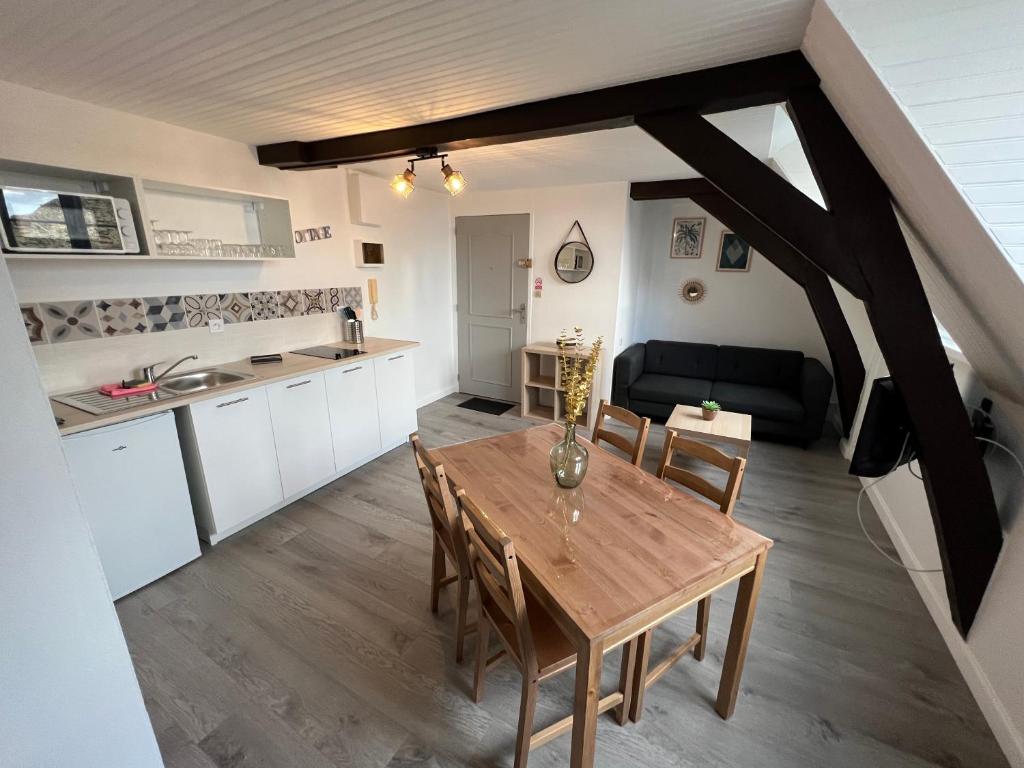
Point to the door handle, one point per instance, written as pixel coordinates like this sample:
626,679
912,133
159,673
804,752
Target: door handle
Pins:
396,357
232,402
350,370
298,384
521,310
119,448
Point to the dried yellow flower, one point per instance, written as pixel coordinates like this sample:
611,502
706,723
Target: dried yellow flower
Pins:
577,371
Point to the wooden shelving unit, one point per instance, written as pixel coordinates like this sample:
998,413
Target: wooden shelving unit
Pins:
542,395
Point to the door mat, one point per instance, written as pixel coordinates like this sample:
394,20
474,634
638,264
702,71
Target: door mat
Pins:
492,407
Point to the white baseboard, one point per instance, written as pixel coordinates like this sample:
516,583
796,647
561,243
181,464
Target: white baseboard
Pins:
1009,736
437,395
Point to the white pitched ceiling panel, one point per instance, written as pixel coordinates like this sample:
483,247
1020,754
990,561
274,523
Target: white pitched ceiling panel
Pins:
271,70
956,67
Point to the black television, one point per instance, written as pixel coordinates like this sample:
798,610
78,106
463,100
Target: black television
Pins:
886,438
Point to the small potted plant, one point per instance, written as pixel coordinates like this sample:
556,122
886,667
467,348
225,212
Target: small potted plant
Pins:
709,409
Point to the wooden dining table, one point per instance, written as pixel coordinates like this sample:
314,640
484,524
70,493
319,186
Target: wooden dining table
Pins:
612,558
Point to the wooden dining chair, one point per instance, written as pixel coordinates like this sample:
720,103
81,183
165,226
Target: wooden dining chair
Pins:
634,448
449,544
725,498
529,635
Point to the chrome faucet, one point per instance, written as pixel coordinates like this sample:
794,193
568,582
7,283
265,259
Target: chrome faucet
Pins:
149,372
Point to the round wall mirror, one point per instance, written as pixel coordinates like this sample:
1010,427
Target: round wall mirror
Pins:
692,291
574,262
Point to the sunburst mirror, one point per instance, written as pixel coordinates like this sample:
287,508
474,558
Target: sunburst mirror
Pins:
693,291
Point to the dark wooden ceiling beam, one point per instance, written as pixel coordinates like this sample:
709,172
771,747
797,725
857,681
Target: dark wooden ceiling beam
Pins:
761,81
956,481
768,197
847,365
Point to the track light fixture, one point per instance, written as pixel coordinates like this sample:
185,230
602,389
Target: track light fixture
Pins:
405,182
454,181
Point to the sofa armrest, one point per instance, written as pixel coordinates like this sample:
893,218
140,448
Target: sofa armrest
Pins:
815,393
629,364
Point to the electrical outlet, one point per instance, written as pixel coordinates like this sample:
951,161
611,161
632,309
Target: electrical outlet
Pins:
216,325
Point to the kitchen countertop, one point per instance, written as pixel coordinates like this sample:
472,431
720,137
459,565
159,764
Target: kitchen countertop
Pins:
291,365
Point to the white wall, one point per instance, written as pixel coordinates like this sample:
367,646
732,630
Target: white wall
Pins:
759,308
984,327
69,693
634,275
601,210
416,233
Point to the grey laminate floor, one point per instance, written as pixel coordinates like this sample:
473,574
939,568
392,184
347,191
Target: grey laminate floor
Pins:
307,641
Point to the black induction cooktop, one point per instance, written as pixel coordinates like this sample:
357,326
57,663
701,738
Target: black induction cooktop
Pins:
330,353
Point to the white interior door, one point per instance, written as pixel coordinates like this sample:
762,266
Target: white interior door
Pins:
491,253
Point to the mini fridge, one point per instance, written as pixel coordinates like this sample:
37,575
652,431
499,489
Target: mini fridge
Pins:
131,483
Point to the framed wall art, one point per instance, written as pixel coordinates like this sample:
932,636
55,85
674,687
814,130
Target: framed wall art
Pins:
733,253
687,237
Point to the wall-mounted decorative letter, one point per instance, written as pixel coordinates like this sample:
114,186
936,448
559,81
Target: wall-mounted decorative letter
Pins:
313,233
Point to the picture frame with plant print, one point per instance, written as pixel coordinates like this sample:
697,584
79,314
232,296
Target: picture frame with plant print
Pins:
687,237
734,253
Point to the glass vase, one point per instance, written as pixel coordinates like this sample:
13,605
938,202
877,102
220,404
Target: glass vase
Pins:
568,459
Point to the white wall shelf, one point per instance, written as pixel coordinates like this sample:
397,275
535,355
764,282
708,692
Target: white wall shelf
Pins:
229,215
132,257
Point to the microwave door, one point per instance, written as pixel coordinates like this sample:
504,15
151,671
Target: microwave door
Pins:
41,221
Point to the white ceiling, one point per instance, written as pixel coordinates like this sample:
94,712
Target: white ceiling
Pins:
957,70
621,154
261,71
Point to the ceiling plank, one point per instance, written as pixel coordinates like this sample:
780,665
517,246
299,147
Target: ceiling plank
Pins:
756,82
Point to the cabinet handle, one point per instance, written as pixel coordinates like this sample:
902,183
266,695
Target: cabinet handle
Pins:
396,357
298,384
232,402
119,448
349,370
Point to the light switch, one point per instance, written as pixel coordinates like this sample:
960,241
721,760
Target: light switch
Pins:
216,325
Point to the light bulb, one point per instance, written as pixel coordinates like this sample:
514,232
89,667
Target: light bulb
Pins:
454,181
404,183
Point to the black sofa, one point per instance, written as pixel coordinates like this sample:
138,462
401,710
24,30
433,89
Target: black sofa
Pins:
786,393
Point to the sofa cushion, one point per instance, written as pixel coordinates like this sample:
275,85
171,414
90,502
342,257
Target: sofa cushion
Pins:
659,388
776,368
679,358
766,402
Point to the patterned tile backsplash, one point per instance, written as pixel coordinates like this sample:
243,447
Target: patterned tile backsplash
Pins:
122,317
313,301
201,308
56,322
264,305
165,313
70,321
33,324
235,307
290,303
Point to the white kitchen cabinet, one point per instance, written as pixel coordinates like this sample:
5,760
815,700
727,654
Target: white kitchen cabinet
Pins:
352,399
302,432
131,484
228,443
396,397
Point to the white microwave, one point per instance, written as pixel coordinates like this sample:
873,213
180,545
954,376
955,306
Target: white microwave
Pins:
45,221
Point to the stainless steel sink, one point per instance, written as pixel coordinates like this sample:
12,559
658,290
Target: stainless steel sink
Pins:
196,381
